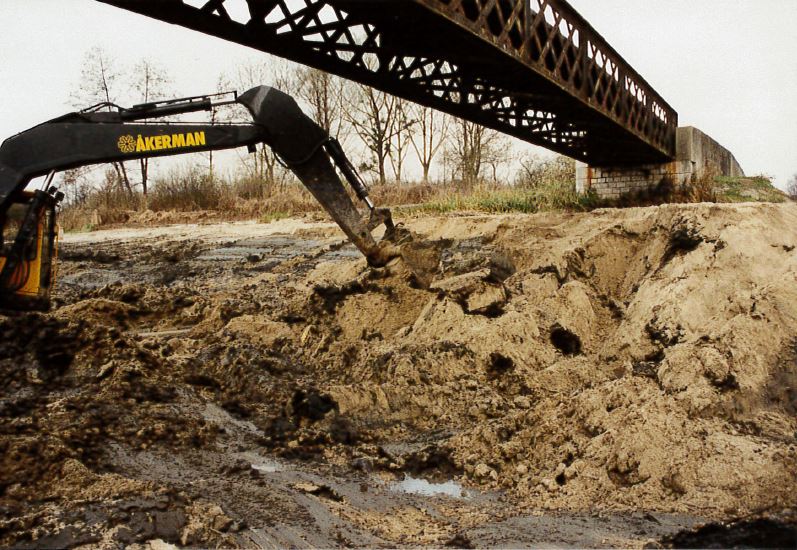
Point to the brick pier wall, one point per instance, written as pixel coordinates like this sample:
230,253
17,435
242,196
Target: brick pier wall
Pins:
696,155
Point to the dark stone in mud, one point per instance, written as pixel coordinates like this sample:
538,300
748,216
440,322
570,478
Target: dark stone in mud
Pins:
499,364
750,533
202,380
237,467
649,366
565,341
341,430
236,408
69,537
49,343
328,297
312,405
363,465
168,274
460,540
683,240
135,520
432,459
150,524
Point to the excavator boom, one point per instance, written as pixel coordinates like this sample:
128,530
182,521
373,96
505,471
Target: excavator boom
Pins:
96,136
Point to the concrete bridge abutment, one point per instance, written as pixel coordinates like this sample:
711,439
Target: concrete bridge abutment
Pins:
697,156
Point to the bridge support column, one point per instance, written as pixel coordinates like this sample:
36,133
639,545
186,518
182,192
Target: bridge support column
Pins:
697,155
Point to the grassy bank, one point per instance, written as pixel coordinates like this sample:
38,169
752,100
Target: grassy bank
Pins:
755,189
196,198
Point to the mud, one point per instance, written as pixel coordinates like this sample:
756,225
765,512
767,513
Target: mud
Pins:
607,379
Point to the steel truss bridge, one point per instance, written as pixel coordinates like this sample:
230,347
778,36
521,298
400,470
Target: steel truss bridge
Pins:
533,69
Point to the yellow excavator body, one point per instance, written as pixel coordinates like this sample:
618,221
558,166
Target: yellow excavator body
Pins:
30,285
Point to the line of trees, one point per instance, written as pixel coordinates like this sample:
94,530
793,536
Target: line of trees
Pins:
390,139
102,80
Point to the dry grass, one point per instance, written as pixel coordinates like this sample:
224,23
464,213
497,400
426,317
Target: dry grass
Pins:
103,206
494,199
702,189
237,200
180,194
191,193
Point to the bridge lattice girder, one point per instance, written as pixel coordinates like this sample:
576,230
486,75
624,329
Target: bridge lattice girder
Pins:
534,69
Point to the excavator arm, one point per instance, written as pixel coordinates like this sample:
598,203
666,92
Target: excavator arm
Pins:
98,136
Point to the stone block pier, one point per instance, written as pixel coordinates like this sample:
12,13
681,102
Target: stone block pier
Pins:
697,155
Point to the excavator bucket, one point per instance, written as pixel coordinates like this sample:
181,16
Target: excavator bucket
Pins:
308,151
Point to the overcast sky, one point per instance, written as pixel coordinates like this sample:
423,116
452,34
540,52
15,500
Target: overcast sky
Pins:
727,66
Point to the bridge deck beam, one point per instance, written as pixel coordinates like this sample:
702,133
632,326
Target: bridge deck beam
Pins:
534,69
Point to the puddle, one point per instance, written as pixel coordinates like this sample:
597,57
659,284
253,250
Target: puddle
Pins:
262,464
417,486
348,251
235,253
91,279
278,247
266,466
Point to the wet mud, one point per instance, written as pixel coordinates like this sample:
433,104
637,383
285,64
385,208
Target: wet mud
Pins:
622,378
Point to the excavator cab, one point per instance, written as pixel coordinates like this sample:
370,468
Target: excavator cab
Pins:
28,249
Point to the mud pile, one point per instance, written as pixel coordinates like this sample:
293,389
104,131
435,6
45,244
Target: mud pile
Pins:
614,361
636,359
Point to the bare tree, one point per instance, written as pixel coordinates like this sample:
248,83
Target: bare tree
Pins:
473,147
372,114
428,135
150,81
402,137
791,187
280,75
99,81
224,113
325,94
74,184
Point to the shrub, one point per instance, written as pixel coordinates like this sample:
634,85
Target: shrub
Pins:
186,192
536,172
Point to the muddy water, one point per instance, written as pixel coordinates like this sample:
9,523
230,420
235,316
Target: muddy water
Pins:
296,504
417,486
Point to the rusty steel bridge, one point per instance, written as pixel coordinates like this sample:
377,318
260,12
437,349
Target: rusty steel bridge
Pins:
533,69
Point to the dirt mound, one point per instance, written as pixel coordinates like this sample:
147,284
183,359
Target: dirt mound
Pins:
640,358
619,360
643,358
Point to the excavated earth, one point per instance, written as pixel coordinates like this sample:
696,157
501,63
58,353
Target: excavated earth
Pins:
618,378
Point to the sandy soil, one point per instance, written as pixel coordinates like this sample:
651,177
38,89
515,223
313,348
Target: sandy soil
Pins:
602,379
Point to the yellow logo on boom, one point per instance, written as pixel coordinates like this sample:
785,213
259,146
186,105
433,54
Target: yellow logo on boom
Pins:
129,144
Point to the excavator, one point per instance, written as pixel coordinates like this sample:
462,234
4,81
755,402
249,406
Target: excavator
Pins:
108,133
